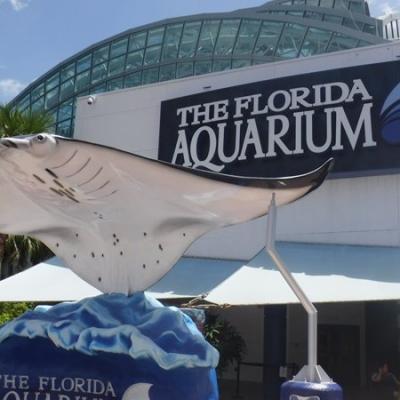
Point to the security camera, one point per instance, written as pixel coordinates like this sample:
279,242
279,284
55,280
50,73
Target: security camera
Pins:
91,100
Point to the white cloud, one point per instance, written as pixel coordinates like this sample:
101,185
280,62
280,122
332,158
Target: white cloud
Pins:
387,9
381,8
9,88
17,5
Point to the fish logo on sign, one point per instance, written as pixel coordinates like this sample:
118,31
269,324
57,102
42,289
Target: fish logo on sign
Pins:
298,397
139,391
390,117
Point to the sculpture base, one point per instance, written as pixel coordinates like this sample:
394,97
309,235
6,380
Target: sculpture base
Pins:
89,351
311,383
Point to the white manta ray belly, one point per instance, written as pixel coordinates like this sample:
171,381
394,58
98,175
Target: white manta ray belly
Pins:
121,221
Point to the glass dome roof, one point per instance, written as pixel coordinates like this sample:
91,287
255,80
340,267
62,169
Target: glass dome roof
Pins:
199,44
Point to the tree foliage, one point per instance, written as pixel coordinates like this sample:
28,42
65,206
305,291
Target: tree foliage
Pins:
13,122
9,311
20,252
226,339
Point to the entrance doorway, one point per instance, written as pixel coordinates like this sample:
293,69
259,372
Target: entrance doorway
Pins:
339,352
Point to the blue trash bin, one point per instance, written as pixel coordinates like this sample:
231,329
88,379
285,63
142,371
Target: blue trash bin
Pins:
295,390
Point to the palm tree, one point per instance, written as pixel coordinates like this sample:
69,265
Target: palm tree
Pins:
20,252
13,122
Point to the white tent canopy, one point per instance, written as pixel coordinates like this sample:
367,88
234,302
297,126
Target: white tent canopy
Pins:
327,273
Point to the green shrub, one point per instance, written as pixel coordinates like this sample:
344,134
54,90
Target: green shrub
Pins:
226,339
9,311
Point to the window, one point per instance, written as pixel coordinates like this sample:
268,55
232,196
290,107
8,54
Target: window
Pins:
334,19
99,89
202,67
64,128
167,72
296,13
155,36
341,42
37,92
152,55
100,55
51,98
38,105
118,48
362,43
116,65
221,65
82,81
357,6
65,111
342,4
137,41
171,41
134,79
52,82
326,3
227,36
240,63
99,73
247,36
67,72
67,89
269,36
290,41
208,37
115,84
353,24
150,75
83,63
370,29
53,115
315,42
184,69
189,39
24,103
134,60
313,15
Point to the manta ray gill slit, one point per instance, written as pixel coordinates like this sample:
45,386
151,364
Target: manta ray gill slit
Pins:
50,172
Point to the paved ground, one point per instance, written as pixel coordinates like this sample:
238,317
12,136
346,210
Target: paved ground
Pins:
253,391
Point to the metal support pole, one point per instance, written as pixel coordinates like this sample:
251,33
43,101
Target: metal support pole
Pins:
312,374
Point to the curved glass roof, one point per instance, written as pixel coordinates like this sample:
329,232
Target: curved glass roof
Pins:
199,44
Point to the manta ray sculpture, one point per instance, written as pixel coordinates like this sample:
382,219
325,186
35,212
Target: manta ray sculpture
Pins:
121,221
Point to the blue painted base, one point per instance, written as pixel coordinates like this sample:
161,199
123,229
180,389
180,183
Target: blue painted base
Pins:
294,390
110,347
35,369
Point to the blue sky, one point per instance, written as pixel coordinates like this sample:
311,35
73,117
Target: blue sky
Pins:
38,34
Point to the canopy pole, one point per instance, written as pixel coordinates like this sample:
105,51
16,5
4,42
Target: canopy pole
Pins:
312,367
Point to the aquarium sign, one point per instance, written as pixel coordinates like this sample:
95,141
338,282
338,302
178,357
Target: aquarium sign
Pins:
289,125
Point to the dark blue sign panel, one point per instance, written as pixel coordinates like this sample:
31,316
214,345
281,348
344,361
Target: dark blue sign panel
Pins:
289,125
35,369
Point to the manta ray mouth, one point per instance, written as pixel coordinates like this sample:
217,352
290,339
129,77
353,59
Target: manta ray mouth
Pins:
8,143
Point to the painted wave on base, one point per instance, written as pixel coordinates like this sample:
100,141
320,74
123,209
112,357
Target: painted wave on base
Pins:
137,326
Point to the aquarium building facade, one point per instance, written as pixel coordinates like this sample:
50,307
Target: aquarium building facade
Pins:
199,44
129,92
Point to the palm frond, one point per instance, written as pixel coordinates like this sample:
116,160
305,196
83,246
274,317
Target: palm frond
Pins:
20,252
13,122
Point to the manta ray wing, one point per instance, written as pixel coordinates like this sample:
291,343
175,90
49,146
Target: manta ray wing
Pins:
121,221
